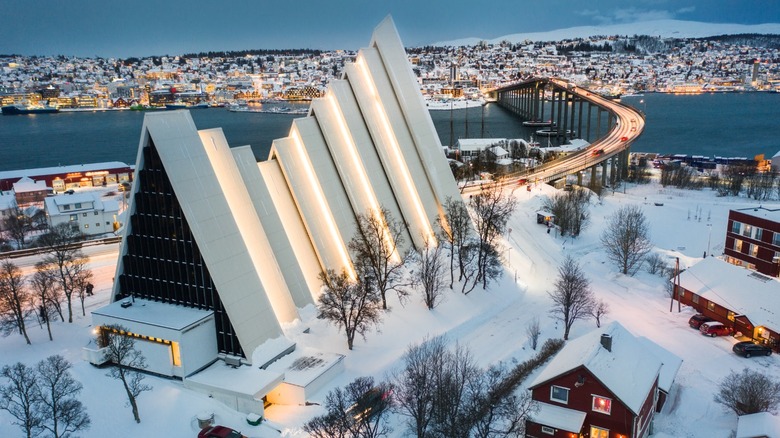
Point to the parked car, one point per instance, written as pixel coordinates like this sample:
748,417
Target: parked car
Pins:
697,320
749,348
714,328
219,432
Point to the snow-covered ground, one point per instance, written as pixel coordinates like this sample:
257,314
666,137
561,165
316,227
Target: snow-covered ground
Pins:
491,323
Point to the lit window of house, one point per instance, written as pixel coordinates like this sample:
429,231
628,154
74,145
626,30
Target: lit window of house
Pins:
559,394
737,245
598,432
84,214
602,404
754,250
710,305
86,225
747,230
735,227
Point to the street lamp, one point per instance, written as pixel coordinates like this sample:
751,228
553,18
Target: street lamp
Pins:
709,235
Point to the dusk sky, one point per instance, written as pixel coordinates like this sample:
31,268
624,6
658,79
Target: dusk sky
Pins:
112,28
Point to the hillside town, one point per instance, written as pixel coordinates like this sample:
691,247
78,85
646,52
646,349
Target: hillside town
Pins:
610,65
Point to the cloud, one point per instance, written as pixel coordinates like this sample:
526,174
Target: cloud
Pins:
630,15
686,10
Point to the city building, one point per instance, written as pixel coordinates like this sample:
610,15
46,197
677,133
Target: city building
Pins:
753,239
63,178
585,391
739,298
29,191
211,229
86,211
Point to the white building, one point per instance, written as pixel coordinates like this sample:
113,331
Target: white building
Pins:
92,215
209,228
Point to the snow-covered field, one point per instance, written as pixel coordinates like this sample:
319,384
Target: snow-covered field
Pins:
491,323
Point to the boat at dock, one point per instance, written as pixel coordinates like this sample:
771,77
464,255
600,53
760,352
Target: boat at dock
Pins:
453,104
182,105
537,123
19,109
553,132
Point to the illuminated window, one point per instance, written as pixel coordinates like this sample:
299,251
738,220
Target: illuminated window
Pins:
597,432
559,394
747,230
175,354
737,245
602,404
84,214
731,315
548,430
710,305
754,250
74,217
86,225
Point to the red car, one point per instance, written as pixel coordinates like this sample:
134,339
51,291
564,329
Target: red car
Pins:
714,328
623,138
219,432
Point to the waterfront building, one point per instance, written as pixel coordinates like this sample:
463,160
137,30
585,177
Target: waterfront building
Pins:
29,191
63,178
209,228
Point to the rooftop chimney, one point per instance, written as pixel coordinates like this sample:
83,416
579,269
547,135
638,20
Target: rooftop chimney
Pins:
606,341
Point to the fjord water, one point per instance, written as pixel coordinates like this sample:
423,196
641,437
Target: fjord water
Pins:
729,125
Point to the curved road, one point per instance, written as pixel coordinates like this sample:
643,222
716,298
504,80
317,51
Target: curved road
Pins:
630,124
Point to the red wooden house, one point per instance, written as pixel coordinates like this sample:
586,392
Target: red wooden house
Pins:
604,384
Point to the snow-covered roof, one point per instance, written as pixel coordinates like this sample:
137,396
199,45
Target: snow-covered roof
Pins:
7,201
670,363
759,425
738,289
75,198
558,417
772,214
303,366
628,371
244,380
28,185
498,151
155,313
471,144
62,169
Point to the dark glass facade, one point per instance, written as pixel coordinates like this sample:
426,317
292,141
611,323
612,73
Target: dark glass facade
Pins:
163,262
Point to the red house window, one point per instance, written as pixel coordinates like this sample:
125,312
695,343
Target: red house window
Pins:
602,404
559,394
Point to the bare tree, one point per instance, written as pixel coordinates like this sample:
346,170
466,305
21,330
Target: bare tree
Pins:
749,392
429,273
414,384
491,211
15,300
67,259
120,350
572,297
456,231
16,226
533,331
63,414
45,290
570,210
360,410
351,304
600,308
626,238
19,398
376,245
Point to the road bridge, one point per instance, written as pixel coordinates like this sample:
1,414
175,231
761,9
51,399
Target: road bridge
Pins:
606,124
